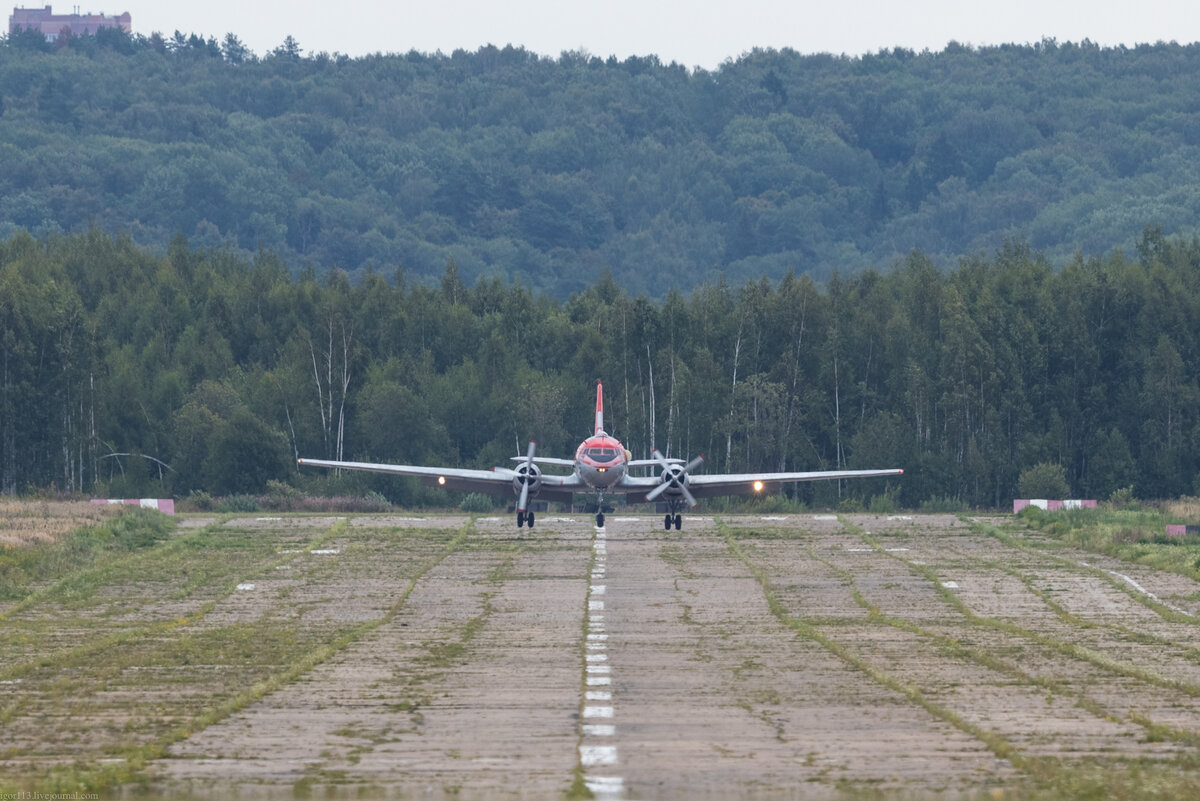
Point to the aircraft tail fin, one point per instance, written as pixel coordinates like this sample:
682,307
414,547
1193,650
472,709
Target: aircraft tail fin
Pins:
599,407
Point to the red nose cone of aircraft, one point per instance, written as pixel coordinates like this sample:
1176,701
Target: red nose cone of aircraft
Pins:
601,451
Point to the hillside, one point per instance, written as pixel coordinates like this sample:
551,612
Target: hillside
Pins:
547,171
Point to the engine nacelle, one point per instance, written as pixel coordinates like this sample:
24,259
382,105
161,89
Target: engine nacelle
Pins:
674,477
529,474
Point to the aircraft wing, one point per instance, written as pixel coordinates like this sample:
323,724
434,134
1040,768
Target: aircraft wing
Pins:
652,462
547,460
703,486
497,481
635,488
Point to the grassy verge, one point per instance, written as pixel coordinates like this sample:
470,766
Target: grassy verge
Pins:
27,522
1137,536
30,570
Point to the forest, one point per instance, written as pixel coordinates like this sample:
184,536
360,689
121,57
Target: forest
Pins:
549,171
131,373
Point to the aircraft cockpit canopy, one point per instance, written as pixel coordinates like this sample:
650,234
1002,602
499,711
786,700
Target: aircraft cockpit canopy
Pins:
602,455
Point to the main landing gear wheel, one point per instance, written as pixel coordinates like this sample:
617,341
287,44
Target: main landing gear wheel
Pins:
523,518
667,522
678,522
599,519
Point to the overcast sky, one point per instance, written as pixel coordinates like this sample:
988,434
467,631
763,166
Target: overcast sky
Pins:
703,33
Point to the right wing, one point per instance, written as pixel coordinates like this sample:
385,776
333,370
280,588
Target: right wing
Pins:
496,481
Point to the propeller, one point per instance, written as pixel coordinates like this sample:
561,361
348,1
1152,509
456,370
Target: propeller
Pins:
523,503
674,477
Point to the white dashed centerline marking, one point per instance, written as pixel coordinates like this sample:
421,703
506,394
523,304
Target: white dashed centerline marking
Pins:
606,786
596,675
591,755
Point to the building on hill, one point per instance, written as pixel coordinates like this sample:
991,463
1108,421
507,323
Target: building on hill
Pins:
52,25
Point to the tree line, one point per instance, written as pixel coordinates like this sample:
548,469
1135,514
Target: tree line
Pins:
545,170
131,373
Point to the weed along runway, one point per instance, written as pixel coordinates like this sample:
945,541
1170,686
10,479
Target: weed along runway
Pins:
786,656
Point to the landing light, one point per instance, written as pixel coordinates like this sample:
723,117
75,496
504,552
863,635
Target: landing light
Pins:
601,469
758,485
441,481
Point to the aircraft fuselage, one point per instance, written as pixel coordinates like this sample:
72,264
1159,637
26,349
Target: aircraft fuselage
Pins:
601,461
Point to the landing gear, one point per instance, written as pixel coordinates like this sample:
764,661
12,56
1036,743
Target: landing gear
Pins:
599,519
678,522
667,522
677,519
523,518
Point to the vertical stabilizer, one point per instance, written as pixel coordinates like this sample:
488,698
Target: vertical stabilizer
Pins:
599,407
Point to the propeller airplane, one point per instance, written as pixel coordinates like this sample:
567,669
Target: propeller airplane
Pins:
601,466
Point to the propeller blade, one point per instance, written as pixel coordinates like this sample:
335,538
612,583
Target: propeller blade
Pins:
692,465
690,499
659,490
662,460
523,503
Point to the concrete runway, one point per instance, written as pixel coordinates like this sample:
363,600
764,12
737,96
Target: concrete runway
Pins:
759,657
768,657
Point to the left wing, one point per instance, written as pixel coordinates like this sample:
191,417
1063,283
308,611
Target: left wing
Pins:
750,483
652,462
710,486
497,481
